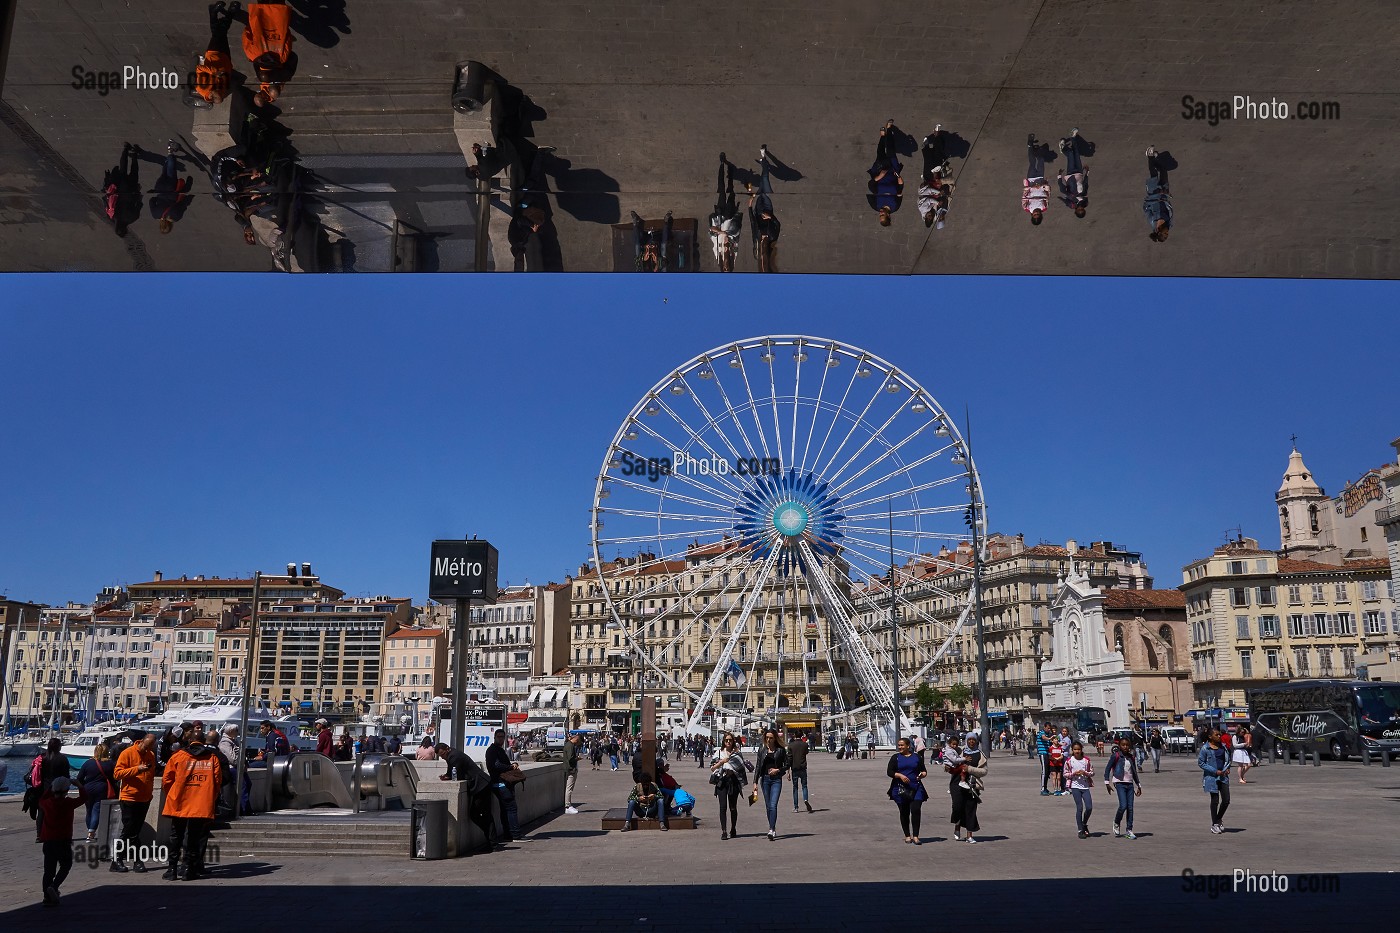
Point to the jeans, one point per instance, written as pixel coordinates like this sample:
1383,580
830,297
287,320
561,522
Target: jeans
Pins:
1125,803
94,813
772,789
58,860
647,811
1035,161
1219,803
1156,759
798,774
725,205
1073,163
1083,807
935,153
510,821
1156,169
133,818
613,759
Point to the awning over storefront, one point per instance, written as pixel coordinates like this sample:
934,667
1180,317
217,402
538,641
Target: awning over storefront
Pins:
534,697
516,718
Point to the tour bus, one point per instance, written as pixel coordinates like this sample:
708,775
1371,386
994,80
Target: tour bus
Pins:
1339,718
1083,721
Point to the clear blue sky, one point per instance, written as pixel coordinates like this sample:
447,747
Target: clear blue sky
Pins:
221,424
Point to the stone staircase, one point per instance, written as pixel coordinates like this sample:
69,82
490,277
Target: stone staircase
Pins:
315,834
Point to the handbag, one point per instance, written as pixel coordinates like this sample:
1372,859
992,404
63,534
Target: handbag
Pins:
904,791
753,797
512,777
715,777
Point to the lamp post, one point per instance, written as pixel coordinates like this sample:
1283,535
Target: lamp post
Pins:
975,515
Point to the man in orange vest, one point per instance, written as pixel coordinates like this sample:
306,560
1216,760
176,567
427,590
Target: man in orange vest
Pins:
268,44
190,787
136,770
214,73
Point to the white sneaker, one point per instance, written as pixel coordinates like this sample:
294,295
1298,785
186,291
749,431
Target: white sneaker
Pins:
1215,828
1116,833
571,810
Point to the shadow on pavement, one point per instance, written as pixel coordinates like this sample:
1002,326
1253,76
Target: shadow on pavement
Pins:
1175,900
320,22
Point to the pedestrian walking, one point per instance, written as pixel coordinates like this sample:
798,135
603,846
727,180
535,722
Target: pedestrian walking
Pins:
267,41
935,152
56,834
612,752
1154,746
190,788
497,764
95,778
1214,762
325,740
1241,756
870,744
935,194
1035,190
1121,774
213,73
121,190
772,764
797,757
1079,776
1157,204
136,770
1073,179
965,800
1055,761
652,248
729,772
907,772
726,220
886,184
571,746
764,227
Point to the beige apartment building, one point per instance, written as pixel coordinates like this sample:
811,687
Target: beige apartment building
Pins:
45,669
14,615
414,665
524,635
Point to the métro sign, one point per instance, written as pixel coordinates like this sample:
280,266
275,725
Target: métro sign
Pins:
463,570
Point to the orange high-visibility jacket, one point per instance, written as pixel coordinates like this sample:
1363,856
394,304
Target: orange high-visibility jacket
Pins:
268,31
190,785
212,76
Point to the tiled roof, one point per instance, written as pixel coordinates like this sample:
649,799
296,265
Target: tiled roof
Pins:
1144,599
417,633
1289,565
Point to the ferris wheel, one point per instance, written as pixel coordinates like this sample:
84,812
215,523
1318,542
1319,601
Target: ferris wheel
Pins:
747,515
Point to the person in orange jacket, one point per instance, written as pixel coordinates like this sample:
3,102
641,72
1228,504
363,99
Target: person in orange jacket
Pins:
136,770
190,788
213,76
268,44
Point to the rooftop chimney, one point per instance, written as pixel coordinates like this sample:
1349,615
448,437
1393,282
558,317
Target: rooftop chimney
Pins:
1072,546
291,570
159,576
305,570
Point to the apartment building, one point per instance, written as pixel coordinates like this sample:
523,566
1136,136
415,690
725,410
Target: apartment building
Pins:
524,635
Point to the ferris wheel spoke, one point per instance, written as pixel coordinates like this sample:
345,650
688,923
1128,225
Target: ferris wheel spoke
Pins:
840,408
904,469
816,411
753,405
857,422
650,538
892,451
719,569
882,547
773,399
715,627
711,421
685,477
912,490
698,440
798,355
911,611
661,492
662,516
878,434
734,413
722,662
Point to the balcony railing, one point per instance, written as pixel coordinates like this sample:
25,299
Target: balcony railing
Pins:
1389,514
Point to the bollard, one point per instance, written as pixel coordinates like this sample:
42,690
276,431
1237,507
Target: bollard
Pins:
1385,758
1365,755
1302,755
1317,758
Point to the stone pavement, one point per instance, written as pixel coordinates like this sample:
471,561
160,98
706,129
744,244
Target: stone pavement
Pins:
844,866
640,98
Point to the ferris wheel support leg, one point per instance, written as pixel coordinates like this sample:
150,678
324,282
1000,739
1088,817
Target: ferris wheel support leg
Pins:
722,664
863,666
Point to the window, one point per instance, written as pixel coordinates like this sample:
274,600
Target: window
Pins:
1035,594
1349,661
1324,661
1236,566
1295,594
1241,631
1345,624
1341,590
1368,593
1239,597
1300,662
1319,592
1268,626
1375,623
1246,668
1266,596
1299,626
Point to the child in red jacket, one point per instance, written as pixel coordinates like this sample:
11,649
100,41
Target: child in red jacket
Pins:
56,833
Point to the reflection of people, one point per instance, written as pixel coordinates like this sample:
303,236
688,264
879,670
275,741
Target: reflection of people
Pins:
764,227
121,190
726,221
652,247
171,196
934,196
1073,179
267,41
214,72
1035,190
1157,205
886,184
935,150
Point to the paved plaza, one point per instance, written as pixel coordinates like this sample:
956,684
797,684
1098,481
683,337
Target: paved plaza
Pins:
640,99
843,867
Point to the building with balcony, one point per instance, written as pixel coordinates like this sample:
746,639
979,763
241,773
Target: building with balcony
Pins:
415,665
524,635
45,667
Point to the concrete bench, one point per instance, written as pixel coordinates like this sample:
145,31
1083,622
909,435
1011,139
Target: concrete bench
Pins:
616,818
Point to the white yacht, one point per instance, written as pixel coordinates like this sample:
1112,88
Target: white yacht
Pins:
24,745
84,743
218,713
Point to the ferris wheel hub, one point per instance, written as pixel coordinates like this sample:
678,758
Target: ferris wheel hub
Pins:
791,518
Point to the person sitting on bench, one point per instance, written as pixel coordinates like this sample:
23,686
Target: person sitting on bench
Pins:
645,802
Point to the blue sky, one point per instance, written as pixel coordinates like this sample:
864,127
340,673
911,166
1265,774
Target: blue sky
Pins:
221,424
